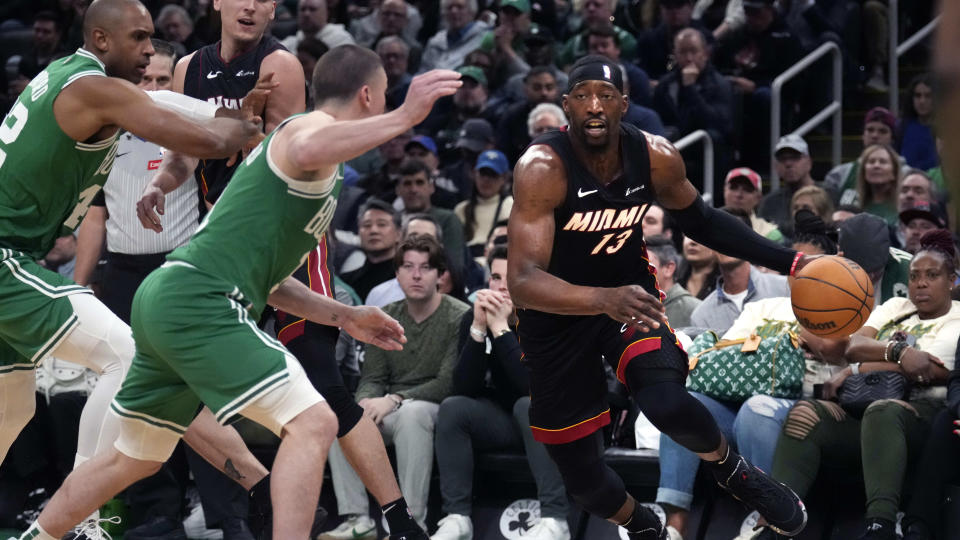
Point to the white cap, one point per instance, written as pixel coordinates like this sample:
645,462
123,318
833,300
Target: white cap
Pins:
793,142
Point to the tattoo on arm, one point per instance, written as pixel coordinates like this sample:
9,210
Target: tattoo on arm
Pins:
334,317
231,471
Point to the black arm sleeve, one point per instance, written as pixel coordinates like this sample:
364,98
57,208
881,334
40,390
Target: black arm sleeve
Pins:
470,371
725,233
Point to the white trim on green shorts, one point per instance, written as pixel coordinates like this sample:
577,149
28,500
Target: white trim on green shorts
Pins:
41,286
120,410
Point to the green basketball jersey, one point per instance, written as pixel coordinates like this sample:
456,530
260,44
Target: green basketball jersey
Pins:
262,227
47,179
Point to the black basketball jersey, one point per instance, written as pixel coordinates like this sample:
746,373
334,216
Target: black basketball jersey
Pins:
598,235
223,83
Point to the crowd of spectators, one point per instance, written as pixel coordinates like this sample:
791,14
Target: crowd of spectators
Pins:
420,229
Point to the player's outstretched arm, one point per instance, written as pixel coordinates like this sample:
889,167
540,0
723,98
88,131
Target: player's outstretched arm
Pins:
90,104
317,146
713,228
91,235
539,188
365,323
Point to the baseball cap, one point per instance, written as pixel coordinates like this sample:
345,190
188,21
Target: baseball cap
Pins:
538,34
745,172
865,240
475,134
925,210
424,141
880,114
523,6
792,142
473,72
494,160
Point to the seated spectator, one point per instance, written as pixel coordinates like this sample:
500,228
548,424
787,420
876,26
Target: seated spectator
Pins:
312,20
308,52
845,212
507,41
739,283
489,203
379,226
693,95
753,426
402,390
643,118
657,44
603,40
448,48
793,166
474,138
489,410
877,180
176,26
814,199
679,303
719,16
742,189
656,222
414,190
595,12
919,219
449,114
539,50
390,18
865,240
540,86
878,127
917,145
46,45
395,54
915,186
382,184
752,57
543,118
891,431
699,270
423,148
389,292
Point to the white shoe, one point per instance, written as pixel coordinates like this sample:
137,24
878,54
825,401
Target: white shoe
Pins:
91,529
748,527
454,527
195,525
549,529
354,528
673,534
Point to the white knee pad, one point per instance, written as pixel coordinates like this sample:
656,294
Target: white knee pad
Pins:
282,404
144,441
17,405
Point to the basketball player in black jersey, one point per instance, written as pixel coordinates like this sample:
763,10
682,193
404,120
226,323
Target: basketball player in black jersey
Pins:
223,73
579,271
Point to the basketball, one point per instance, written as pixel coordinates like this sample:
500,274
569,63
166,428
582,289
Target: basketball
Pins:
832,297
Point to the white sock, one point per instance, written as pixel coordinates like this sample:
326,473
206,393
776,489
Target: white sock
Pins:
36,532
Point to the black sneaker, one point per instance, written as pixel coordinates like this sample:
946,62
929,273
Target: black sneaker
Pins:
157,528
879,529
780,507
653,528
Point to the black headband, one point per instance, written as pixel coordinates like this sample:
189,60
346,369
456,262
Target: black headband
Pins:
596,71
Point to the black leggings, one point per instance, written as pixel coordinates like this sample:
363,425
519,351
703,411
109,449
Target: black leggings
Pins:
316,351
661,395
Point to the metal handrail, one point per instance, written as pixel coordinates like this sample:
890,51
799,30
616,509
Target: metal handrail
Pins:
895,50
691,139
833,109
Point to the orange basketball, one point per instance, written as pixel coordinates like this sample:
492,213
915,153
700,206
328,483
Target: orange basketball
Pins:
832,296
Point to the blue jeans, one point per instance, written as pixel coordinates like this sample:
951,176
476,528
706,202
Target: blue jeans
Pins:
752,427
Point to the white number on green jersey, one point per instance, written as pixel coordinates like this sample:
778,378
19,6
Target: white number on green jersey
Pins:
86,197
10,131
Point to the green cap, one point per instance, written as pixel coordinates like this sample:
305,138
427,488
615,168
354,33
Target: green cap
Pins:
474,73
523,6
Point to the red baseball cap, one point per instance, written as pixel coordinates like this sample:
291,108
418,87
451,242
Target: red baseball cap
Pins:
745,172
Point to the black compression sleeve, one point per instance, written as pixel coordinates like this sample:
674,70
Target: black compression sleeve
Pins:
725,233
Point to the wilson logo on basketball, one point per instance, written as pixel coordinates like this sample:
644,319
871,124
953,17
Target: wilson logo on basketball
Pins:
817,326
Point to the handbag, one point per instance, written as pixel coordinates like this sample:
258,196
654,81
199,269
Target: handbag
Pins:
859,391
735,370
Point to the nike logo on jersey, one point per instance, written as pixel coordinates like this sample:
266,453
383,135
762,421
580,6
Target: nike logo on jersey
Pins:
214,74
121,155
633,190
581,193
242,73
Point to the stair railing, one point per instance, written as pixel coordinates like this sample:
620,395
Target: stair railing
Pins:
690,140
895,50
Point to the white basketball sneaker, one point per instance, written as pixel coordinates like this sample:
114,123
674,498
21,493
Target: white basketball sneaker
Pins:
454,527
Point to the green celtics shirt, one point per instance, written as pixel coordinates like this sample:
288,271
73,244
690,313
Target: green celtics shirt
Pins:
262,227
47,179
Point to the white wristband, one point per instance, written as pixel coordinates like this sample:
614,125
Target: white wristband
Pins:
477,333
855,368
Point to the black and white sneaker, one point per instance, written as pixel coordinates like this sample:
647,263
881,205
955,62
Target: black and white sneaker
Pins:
780,507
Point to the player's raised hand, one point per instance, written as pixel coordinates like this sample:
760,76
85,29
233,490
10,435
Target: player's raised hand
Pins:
371,325
633,305
425,89
255,101
150,208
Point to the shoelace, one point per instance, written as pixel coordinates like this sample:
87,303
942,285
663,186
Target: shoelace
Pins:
92,527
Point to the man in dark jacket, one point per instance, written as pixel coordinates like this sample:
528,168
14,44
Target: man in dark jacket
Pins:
657,43
489,410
